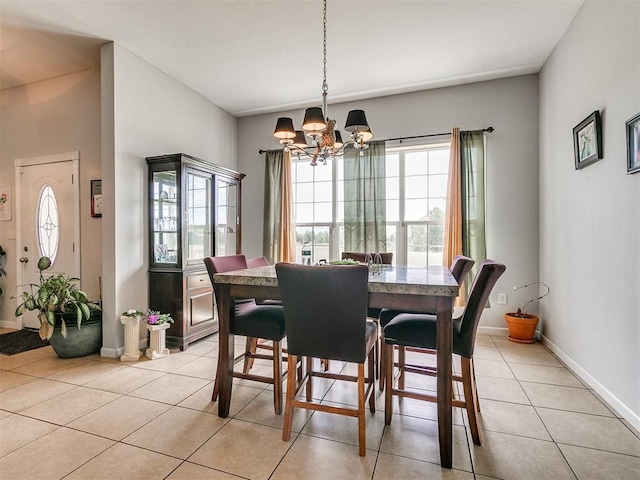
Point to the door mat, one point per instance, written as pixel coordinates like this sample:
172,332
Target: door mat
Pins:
20,341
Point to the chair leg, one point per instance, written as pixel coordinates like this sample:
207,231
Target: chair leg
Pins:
309,386
361,420
291,391
402,355
372,363
475,384
388,388
250,348
382,360
277,377
325,363
376,356
216,388
470,400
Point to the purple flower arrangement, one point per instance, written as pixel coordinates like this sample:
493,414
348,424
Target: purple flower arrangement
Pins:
153,317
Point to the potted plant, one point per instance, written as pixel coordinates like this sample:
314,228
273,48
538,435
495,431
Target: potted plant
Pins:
157,324
60,303
522,325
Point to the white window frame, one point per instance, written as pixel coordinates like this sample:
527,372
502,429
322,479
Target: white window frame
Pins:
335,227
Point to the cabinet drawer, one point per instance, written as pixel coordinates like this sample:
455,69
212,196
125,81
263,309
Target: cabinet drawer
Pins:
198,281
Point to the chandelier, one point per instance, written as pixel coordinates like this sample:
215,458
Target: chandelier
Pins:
325,139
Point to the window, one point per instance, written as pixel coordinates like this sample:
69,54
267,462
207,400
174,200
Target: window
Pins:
416,203
313,194
416,189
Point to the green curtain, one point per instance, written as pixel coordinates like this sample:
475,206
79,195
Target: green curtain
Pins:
272,199
473,198
365,200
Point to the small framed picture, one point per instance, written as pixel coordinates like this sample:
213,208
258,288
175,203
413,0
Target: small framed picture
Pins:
633,144
96,198
587,141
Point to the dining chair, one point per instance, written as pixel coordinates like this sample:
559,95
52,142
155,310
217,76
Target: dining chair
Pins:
325,311
460,268
257,262
373,313
420,331
253,321
253,344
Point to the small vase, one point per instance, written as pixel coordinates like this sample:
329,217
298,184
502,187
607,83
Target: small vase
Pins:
132,351
157,347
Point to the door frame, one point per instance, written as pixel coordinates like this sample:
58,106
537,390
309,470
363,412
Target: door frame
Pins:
19,163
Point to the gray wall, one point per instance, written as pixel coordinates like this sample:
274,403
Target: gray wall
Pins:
590,218
509,105
43,118
144,112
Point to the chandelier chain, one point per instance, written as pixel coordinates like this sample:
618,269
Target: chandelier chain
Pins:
325,86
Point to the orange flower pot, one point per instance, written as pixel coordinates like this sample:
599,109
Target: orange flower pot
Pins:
521,328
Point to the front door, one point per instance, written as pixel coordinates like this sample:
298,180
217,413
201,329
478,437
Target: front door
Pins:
48,219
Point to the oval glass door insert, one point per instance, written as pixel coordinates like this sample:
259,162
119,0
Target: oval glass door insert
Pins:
48,223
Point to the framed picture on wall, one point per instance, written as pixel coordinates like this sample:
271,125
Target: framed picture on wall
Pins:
587,141
633,144
96,198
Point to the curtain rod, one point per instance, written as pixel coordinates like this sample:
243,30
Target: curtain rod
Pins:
488,130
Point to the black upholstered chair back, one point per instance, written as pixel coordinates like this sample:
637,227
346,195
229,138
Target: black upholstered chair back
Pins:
460,267
325,310
223,264
483,283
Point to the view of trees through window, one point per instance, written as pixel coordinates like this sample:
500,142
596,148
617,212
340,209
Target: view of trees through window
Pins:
416,190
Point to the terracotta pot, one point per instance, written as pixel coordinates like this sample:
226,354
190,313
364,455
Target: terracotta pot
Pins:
521,328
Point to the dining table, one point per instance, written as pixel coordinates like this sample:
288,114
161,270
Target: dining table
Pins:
411,288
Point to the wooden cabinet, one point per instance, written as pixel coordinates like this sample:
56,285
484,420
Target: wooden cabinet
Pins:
194,212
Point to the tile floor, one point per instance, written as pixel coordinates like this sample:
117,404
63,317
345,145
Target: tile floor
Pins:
98,418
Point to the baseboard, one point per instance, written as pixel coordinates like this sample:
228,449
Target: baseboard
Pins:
501,331
111,352
13,324
117,352
622,410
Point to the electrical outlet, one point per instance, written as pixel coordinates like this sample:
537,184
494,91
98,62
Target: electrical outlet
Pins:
502,299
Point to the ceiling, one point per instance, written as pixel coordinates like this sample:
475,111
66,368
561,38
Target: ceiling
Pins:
258,56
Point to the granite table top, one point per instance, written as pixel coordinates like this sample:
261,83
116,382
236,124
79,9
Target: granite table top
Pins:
403,279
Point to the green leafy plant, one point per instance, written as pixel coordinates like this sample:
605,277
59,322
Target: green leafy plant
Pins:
57,294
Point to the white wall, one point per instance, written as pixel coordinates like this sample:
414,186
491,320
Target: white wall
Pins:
590,218
509,105
58,115
144,113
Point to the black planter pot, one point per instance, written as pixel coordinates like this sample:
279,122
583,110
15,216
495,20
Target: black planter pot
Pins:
79,342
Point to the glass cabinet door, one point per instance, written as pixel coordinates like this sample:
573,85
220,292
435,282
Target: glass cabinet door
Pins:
227,217
165,217
198,214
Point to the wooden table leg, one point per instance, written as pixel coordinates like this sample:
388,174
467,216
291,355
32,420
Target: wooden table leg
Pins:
225,349
445,387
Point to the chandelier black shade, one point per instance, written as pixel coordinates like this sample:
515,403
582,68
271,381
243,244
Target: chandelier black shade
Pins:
317,125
